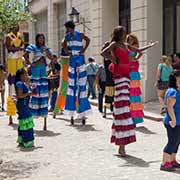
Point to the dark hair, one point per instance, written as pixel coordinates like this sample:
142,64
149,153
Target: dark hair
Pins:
14,27
177,55
54,56
172,57
69,24
118,33
172,79
37,37
91,59
18,74
1,67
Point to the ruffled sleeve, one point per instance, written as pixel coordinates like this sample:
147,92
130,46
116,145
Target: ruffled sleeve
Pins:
30,48
171,92
19,85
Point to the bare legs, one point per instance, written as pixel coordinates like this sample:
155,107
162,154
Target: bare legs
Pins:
161,94
45,124
122,151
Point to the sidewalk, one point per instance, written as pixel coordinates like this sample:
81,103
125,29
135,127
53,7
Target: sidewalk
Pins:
151,109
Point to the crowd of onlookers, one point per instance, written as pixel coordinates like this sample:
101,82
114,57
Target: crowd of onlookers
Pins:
165,68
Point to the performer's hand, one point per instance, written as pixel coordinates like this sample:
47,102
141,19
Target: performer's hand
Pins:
82,52
155,84
172,123
33,64
153,43
69,53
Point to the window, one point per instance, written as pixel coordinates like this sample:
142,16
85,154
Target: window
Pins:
171,27
124,14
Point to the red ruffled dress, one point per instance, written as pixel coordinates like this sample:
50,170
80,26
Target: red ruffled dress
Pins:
123,131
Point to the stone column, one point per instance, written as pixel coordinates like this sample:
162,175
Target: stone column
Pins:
52,27
31,28
139,28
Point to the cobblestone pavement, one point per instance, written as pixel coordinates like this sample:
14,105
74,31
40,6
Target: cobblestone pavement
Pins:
79,152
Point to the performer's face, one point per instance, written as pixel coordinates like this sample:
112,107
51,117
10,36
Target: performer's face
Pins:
16,28
41,40
24,76
69,30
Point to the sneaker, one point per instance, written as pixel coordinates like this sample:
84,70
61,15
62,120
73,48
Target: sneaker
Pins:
167,167
175,164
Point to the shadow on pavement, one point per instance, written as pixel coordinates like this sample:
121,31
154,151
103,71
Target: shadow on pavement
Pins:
108,118
30,149
144,130
14,126
177,171
62,118
17,170
84,128
41,133
134,161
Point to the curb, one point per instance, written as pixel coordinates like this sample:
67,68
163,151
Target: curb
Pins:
147,114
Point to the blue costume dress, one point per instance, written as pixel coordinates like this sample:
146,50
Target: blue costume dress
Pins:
77,78
26,124
39,102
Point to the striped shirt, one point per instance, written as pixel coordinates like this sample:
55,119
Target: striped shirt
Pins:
38,52
74,43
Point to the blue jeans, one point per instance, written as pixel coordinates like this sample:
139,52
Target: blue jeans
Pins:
91,80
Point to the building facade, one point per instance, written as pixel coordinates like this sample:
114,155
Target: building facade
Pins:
148,19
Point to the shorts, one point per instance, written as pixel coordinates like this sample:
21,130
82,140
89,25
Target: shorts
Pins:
53,84
162,85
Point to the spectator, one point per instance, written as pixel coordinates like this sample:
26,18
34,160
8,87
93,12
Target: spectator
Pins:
109,85
92,68
162,76
101,84
26,124
3,76
176,64
172,123
53,81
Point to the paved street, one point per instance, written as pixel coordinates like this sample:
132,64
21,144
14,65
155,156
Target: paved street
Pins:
67,152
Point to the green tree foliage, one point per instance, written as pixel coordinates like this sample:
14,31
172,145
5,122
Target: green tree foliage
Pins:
11,12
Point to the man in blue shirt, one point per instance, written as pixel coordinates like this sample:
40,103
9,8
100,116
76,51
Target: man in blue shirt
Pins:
92,68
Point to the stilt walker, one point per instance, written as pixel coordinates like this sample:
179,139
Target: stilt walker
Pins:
14,45
77,76
61,99
39,80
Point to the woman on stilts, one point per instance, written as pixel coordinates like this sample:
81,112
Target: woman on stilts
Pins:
39,102
123,131
135,53
15,47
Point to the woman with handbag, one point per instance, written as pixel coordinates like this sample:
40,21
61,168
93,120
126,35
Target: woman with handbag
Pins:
162,76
